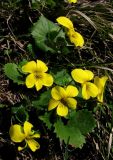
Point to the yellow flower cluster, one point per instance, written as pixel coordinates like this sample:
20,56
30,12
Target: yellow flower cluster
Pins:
74,36
63,98
90,89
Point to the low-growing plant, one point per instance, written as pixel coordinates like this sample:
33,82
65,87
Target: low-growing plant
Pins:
79,122
64,96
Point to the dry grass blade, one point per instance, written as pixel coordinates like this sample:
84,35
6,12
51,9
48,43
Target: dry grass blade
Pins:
110,142
105,68
111,36
87,18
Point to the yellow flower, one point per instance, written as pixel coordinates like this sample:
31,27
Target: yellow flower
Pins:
83,76
100,83
18,134
66,22
74,36
62,98
72,1
37,75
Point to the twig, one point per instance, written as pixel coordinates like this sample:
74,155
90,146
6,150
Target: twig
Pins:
13,37
110,142
9,26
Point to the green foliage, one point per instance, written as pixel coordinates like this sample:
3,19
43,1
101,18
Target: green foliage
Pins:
65,132
43,100
83,120
37,4
2,105
7,52
12,72
46,33
20,113
22,63
46,119
79,124
11,4
62,78
51,2
92,20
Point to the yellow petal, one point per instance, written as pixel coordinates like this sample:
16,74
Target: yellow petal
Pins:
16,133
82,76
76,38
103,80
27,128
100,96
71,91
30,80
58,93
47,80
38,84
52,104
71,102
72,1
85,94
33,145
36,135
89,90
89,74
92,89
100,83
30,67
21,148
62,110
41,66
66,22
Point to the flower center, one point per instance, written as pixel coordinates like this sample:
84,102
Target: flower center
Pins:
37,75
30,135
63,101
87,87
73,36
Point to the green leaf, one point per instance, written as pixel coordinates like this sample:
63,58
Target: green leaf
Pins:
11,71
22,63
20,113
38,4
42,31
31,51
62,78
46,119
83,120
51,3
67,132
3,105
43,100
7,51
